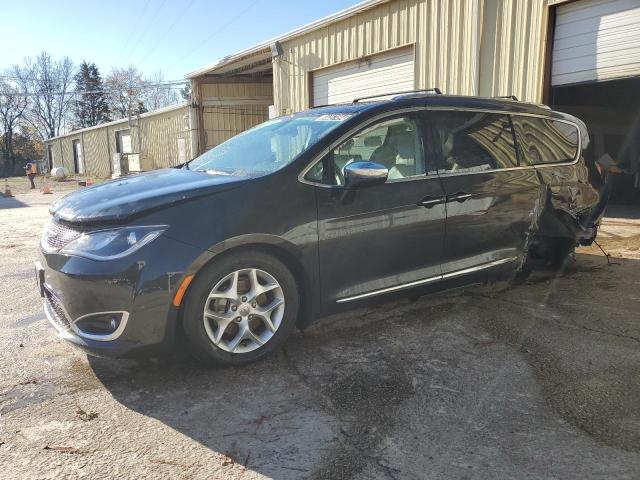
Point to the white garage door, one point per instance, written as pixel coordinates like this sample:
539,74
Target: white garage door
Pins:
596,40
377,75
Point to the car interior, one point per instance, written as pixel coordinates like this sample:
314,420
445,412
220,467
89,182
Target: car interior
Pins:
394,144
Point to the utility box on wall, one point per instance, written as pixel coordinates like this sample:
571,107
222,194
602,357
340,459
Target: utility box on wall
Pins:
140,162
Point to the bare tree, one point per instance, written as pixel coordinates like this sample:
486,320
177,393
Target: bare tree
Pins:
125,92
48,84
158,94
13,104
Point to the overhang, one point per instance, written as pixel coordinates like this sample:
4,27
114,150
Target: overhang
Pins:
258,58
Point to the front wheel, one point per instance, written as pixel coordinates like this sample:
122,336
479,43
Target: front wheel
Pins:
241,308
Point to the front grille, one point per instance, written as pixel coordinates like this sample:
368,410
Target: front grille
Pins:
56,312
56,235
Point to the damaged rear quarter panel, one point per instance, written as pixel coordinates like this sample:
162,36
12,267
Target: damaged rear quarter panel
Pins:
571,197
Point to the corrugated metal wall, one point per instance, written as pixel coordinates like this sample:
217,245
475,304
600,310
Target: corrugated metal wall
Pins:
96,155
159,140
232,108
471,47
512,52
160,134
442,31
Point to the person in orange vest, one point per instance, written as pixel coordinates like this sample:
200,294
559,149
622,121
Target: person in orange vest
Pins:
31,170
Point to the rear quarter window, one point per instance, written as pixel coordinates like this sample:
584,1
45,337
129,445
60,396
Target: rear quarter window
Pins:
545,141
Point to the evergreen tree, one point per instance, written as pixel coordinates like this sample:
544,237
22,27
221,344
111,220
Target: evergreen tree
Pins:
91,108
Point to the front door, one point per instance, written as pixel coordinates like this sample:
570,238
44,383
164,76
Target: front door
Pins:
492,205
381,238
78,157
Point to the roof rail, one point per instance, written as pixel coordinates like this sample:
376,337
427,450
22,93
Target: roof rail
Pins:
510,97
407,92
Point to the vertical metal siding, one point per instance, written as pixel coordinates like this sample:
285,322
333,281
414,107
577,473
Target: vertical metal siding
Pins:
470,47
96,157
158,139
440,29
67,153
512,53
160,134
223,121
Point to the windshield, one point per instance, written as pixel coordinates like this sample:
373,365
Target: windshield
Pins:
268,147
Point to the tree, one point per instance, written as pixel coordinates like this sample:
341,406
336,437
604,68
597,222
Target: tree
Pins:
13,104
90,107
185,92
48,83
157,94
125,87
27,144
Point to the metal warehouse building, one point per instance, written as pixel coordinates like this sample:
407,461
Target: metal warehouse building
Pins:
579,56
165,137
162,136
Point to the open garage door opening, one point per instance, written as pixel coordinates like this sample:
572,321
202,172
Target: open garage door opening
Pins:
595,75
611,111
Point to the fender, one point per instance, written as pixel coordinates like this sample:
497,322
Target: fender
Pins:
310,307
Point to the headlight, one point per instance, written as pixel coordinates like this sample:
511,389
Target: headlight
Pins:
112,244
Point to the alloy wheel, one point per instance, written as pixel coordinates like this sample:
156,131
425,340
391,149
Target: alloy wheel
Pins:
244,310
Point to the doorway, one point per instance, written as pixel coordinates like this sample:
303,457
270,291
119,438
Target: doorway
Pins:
78,157
611,110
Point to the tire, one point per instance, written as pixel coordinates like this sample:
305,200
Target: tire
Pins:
561,253
265,332
553,253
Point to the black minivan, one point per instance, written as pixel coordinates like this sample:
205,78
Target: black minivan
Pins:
311,213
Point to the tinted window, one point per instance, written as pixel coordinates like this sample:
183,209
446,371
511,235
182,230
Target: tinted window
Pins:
544,140
473,141
394,143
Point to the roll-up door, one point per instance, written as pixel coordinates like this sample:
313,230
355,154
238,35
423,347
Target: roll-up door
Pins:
375,75
596,40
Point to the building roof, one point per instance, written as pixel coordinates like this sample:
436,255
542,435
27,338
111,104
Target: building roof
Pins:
152,113
255,58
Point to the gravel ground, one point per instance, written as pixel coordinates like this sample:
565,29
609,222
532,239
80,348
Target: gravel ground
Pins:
535,381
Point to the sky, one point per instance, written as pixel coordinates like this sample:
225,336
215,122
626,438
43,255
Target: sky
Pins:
171,36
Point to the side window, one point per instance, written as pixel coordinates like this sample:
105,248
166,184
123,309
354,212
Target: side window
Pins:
543,140
394,143
473,141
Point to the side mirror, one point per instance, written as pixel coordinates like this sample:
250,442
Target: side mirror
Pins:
361,174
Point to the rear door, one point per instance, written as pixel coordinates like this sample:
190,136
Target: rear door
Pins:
492,203
380,238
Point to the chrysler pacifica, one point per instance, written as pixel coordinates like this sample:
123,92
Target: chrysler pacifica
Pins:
311,213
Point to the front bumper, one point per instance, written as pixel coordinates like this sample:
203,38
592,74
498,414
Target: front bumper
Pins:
139,288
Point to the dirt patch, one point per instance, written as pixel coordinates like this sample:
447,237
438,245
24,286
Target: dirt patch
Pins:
366,401
623,247
604,405
602,402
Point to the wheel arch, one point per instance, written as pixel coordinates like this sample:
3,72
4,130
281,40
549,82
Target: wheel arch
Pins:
273,245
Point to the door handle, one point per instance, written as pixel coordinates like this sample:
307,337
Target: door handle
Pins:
459,197
429,202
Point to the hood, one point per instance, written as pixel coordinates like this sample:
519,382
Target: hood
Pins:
119,199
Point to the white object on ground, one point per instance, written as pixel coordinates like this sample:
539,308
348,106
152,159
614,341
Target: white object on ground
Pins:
58,172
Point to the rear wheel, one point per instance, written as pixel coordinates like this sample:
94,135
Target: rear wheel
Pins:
556,253
241,308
